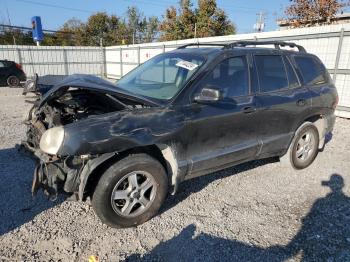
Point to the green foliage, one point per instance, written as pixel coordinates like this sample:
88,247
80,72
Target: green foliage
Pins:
207,20
186,22
9,37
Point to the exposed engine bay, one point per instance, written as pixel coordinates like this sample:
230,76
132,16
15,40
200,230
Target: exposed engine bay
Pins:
70,104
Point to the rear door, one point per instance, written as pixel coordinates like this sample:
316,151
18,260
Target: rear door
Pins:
223,132
282,102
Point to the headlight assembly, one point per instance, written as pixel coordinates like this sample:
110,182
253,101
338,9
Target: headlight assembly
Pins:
52,140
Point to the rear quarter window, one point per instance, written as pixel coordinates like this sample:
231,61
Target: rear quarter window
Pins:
312,70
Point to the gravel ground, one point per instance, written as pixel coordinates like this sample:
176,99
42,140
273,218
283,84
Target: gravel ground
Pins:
258,211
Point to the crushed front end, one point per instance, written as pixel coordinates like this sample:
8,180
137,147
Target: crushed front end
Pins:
47,124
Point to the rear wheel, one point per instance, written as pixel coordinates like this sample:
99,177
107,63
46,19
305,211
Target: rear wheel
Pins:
304,147
131,191
13,81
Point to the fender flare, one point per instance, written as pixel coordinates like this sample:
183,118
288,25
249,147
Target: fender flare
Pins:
89,168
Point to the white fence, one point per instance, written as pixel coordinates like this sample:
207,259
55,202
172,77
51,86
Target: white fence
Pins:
330,43
55,60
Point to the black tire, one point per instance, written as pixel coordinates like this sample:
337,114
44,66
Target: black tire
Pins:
13,81
102,196
295,153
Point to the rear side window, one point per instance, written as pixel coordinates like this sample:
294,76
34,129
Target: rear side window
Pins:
2,64
292,78
272,73
313,71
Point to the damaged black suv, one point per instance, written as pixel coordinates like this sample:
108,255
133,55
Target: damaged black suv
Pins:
182,114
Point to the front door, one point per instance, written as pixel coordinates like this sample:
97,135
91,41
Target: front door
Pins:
223,132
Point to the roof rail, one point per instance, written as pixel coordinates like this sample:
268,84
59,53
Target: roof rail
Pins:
201,44
277,44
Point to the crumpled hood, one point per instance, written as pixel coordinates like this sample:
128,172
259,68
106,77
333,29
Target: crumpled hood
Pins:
93,83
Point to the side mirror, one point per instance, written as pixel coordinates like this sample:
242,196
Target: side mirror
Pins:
208,95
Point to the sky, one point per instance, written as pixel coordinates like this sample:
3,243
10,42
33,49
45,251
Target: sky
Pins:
242,13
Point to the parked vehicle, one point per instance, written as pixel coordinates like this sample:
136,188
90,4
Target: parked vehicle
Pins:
40,85
182,114
11,74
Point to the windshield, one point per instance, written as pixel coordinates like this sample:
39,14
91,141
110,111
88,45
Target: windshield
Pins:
162,76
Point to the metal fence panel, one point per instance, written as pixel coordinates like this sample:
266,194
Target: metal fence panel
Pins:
56,60
331,43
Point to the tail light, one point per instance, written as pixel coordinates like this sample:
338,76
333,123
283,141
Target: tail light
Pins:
18,66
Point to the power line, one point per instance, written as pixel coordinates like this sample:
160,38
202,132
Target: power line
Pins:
54,6
30,29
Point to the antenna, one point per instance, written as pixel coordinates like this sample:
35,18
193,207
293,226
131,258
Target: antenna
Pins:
259,26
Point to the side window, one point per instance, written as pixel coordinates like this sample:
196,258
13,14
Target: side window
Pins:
230,76
292,78
312,71
2,64
272,74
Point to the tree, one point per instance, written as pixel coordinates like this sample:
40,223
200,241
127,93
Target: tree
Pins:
140,28
212,21
102,26
152,26
306,12
206,20
170,26
71,33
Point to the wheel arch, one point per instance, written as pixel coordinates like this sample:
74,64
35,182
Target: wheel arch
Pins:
93,170
321,124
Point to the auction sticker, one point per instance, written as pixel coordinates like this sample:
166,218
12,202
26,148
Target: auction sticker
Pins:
187,65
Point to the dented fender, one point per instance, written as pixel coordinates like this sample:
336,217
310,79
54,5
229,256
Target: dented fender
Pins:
117,132
89,168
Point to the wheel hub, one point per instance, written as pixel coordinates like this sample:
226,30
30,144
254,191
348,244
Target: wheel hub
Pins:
133,194
305,146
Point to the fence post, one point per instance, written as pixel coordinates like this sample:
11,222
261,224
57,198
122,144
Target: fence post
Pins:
19,56
103,62
121,62
163,48
138,55
65,61
340,46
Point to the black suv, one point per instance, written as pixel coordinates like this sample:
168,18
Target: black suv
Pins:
182,114
11,73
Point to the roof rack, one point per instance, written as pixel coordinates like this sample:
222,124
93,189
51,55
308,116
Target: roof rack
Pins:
277,44
201,44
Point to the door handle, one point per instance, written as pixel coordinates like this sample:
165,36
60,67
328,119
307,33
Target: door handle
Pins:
301,102
249,110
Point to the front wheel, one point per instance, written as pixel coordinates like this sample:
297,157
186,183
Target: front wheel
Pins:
131,191
304,147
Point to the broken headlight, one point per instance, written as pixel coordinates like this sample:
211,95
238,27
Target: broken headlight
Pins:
52,140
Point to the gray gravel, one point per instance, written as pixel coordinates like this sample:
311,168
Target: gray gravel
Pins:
258,211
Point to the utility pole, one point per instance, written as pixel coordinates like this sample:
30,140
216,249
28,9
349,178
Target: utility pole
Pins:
259,26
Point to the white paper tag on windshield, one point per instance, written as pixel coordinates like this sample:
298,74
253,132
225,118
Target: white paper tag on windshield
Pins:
187,65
